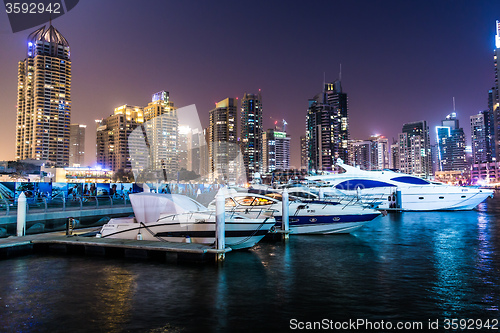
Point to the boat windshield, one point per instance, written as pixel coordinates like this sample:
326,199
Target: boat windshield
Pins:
249,200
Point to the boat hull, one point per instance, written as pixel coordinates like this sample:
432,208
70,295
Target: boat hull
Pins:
398,191
239,235
326,224
428,198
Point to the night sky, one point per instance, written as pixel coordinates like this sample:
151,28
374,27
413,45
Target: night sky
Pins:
402,61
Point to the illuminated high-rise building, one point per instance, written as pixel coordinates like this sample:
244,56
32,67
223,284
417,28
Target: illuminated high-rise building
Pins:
371,154
481,128
451,144
327,127
251,133
161,125
303,152
276,150
223,141
112,137
77,144
414,150
44,99
394,161
493,97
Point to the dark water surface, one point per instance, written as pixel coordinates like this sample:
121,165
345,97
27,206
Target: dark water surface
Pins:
410,267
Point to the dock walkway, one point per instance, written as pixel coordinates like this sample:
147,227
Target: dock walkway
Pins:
78,244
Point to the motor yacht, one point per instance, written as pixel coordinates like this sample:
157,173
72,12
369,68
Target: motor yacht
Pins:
305,217
398,191
178,218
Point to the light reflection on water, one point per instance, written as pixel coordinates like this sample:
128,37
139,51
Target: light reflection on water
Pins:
411,266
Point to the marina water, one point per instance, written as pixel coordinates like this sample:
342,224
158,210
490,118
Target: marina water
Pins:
411,267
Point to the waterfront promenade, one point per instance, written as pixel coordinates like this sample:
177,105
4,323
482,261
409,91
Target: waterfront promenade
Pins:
47,215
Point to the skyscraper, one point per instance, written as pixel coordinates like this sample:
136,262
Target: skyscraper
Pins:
415,150
482,138
371,154
76,144
276,150
303,152
251,133
451,144
494,98
44,99
394,162
112,137
327,127
161,126
223,142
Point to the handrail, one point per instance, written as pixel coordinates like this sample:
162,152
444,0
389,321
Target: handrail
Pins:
232,212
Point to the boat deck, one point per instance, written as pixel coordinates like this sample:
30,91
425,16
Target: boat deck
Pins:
84,245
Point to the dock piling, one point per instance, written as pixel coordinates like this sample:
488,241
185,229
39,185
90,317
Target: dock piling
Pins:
220,227
285,221
21,215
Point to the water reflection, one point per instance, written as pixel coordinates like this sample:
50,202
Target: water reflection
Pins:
410,266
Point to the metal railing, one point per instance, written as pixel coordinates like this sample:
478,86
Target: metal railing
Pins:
56,204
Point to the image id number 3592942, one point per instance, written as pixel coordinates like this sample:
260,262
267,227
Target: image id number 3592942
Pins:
32,8
470,324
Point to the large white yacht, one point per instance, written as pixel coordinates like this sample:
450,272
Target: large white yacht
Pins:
311,217
178,218
398,191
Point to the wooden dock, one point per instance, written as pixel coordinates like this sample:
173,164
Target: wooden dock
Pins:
59,242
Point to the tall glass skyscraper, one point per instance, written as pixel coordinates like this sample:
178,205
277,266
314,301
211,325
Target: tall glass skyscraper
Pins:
415,150
451,144
494,98
327,127
223,142
251,133
44,99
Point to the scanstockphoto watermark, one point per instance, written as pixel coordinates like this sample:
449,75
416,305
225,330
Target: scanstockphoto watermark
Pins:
359,324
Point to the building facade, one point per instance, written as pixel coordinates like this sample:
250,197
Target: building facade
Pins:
394,162
44,99
276,150
161,127
77,144
371,154
112,137
482,138
451,144
415,150
494,98
223,141
327,128
303,152
251,133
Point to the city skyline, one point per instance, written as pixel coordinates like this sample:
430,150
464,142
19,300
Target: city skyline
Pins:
401,62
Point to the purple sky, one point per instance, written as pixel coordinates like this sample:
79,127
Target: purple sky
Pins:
402,61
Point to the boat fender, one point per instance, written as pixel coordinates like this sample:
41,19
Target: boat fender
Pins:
139,236
188,239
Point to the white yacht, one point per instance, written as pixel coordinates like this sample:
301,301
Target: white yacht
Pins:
178,218
311,217
399,191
